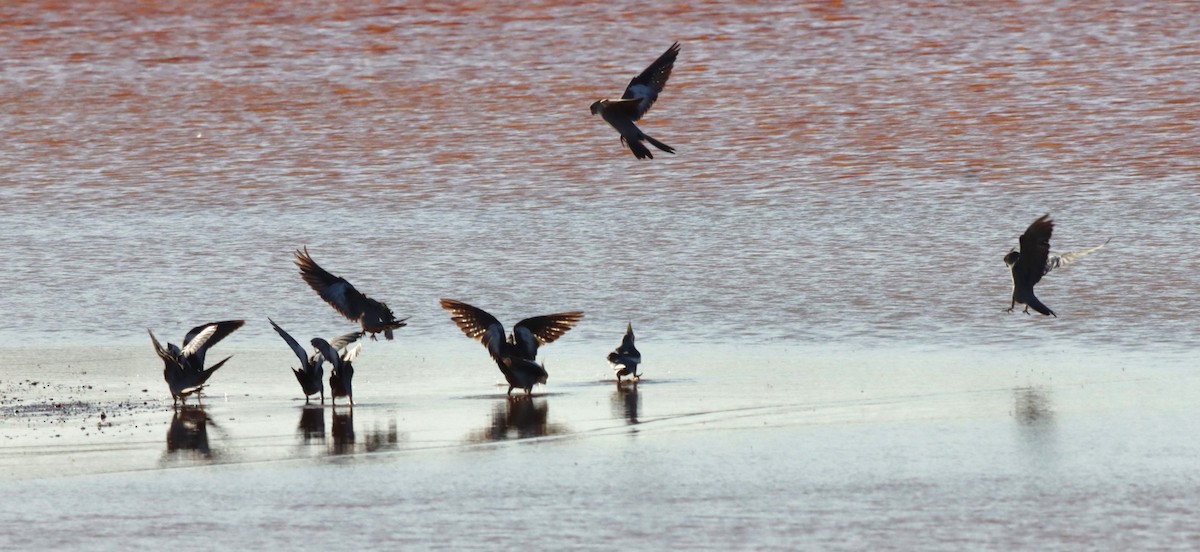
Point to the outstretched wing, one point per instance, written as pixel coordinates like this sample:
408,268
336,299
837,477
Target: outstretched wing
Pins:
162,352
352,353
340,342
296,348
1056,261
1035,250
334,290
646,86
477,324
204,336
540,330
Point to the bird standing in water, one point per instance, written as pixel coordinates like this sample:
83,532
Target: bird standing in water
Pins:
625,359
641,93
516,355
340,378
374,316
1034,260
183,368
311,374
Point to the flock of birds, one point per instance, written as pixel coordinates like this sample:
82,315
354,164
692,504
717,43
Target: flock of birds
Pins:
515,353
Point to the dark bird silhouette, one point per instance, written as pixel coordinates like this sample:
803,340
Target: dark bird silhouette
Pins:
374,316
183,368
311,373
626,358
516,355
641,93
340,378
1034,261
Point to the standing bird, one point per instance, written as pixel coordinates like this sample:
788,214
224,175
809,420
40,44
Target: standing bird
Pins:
516,356
641,93
343,368
626,358
1034,261
184,368
311,374
374,316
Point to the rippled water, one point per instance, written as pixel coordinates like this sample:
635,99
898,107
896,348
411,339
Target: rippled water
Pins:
848,177
845,172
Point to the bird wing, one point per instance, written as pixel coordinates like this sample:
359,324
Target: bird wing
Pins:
204,336
1056,261
296,348
340,342
540,330
477,324
336,291
328,352
1035,249
162,352
646,86
352,353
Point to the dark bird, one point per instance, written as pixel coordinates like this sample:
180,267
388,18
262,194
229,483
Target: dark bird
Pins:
641,93
516,355
311,373
374,316
340,378
184,368
1034,261
626,358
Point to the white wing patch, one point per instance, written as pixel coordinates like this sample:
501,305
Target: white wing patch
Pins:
1057,261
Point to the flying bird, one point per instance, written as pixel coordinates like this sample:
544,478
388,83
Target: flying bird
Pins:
374,316
183,368
311,373
1034,261
516,354
626,358
641,93
343,368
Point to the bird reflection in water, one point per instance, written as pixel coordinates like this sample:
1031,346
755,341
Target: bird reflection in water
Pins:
188,434
519,417
345,440
626,401
312,424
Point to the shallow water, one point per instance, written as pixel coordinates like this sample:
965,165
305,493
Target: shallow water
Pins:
815,277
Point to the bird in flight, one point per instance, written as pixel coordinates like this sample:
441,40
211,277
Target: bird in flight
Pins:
1034,260
641,93
516,354
343,368
311,373
183,368
374,316
626,358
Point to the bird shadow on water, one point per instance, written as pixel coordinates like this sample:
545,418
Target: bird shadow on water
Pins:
1033,410
518,417
312,424
187,436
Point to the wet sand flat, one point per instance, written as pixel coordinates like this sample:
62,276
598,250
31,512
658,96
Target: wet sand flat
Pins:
784,448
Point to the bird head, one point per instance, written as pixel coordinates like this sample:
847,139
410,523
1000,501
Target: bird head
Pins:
597,106
1012,256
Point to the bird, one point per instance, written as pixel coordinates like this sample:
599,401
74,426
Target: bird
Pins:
374,316
343,368
1034,260
311,373
641,93
625,359
516,355
184,368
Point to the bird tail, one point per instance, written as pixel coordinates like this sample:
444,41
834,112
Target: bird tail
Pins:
1037,305
639,149
658,144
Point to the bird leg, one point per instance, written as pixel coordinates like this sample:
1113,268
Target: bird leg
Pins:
322,395
1026,311
510,388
